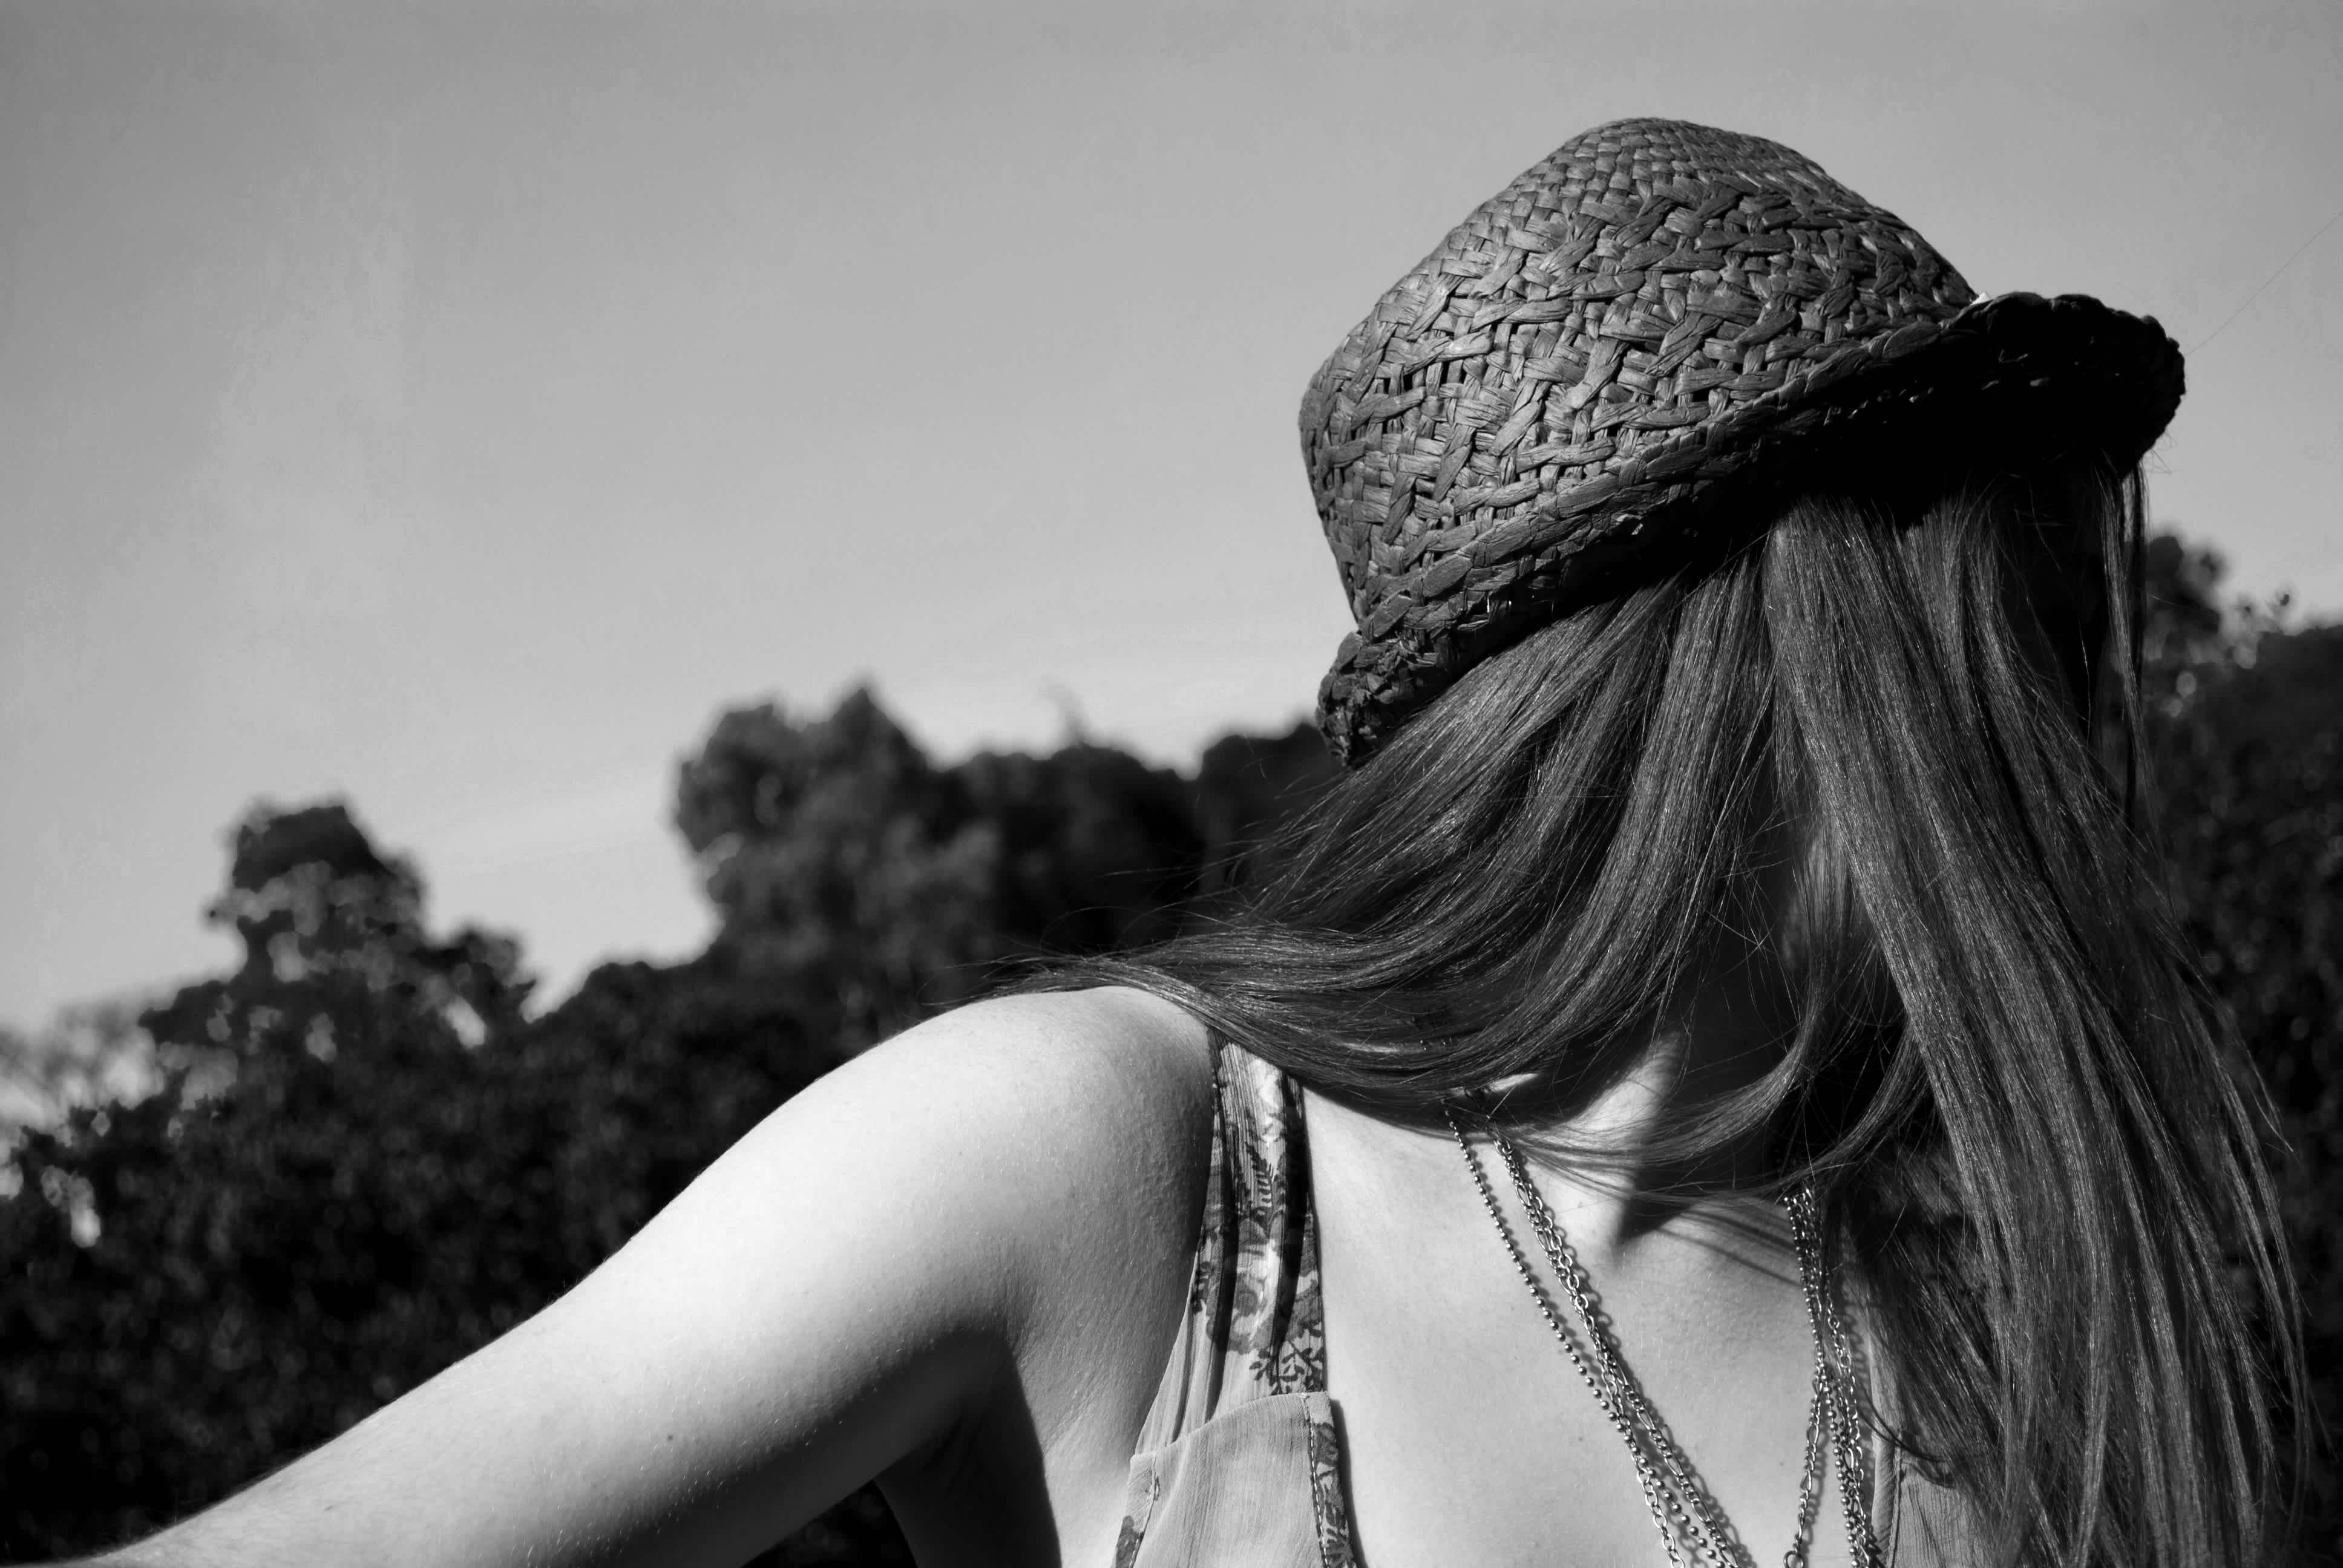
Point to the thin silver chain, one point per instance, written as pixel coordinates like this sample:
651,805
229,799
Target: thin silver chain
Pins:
1836,1368
1681,1508
1667,1513
1718,1539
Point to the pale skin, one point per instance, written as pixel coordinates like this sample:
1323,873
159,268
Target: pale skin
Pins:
957,1264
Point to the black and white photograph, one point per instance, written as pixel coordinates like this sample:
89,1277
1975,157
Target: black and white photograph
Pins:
1022,784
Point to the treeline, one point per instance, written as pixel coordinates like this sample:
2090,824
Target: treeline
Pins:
362,1156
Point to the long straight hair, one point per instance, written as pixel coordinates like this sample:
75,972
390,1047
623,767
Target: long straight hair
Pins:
2034,1142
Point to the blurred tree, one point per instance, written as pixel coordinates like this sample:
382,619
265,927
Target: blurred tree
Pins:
841,863
234,1276
2185,629
2246,741
92,1055
1247,786
847,867
1095,848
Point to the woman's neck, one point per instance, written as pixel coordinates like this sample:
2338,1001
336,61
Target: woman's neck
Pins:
1615,1150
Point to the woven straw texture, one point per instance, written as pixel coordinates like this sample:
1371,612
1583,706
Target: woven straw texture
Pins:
1552,401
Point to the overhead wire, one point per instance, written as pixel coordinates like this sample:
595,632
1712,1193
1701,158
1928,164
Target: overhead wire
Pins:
2273,277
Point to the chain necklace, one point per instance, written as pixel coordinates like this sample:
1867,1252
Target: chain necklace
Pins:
1835,1372
1681,1506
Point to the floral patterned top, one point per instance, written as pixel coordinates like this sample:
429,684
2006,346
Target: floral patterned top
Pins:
1239,1462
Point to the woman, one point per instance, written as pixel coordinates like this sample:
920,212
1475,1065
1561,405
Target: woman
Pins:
1713,1081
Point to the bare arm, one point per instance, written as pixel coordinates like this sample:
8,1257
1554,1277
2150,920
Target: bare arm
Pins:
995,1200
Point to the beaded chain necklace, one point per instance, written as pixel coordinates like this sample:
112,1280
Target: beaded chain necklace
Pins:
1681,1506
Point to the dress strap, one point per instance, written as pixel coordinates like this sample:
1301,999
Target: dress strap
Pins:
1240,1461
1254,1326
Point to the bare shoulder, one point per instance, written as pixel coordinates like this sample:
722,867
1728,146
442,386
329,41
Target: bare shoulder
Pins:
1105,1064
1116,1028
1044,1145
1088,1113
1013,1087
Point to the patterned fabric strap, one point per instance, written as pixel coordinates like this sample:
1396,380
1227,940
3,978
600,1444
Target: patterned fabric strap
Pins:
1240,1460
1263,1235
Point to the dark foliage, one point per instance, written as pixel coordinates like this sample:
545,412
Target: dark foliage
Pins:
1245,785
366,1161
2246,723
883,886
234,1278
367,1158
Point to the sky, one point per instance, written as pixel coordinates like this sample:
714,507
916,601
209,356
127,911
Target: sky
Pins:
453,409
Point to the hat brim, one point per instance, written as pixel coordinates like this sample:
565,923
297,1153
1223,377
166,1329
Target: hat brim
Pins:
2014,381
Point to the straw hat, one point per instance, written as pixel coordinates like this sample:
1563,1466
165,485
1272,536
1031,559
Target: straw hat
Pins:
1552,402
